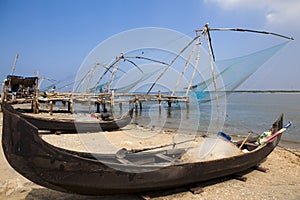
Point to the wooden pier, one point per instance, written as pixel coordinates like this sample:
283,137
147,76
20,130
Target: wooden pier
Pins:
102,100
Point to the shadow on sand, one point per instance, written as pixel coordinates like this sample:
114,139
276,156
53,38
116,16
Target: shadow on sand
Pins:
46,194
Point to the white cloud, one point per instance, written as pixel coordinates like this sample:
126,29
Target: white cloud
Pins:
234,4
277,13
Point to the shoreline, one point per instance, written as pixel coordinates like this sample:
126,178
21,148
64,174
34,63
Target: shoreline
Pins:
281,181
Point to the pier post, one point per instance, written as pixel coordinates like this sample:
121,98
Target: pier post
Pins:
159,98
97,107
187,102
34,105
103,103
136,100
51,108
70,104
141,106
112,102
2,95
2,92
120,106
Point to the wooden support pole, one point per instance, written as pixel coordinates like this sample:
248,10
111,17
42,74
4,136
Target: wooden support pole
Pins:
51,108
2,95
120,106
70,105
159,98
34,105
239,177
112,100
196,190
136,100
187,102
2,92
35,98
104,107
103,104
159,111
261,169
169,103
97,107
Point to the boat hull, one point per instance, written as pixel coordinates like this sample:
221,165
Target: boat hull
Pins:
69,125
85,173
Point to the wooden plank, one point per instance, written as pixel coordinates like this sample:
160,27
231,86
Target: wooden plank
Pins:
261,169
239,177
164,157
196,190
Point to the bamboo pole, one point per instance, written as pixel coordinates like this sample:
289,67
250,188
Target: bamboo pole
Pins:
184,69
194,71
171,63
91,78
15,64
253,31
113,74
244,141
112,102
206,29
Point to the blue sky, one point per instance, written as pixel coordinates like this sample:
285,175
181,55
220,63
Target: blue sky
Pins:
54,36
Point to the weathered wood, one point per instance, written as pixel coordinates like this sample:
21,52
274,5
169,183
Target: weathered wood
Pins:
97,107
120,106
51,108
81,172
112,102
70,106
244,141
112,98
239,177
34,105
144,196
196,190
2,92
261,169
159,97
70,125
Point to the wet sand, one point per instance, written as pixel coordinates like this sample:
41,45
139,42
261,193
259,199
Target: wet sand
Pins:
281,181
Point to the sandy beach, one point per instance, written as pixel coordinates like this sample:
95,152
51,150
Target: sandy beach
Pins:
281,181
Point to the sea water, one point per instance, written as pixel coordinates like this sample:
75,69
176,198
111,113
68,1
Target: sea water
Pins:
244,112
256,111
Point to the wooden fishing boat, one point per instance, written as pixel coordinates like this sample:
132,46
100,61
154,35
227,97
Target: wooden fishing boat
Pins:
74,125
123,172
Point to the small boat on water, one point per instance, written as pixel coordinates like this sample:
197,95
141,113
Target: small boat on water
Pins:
74,124
123,172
